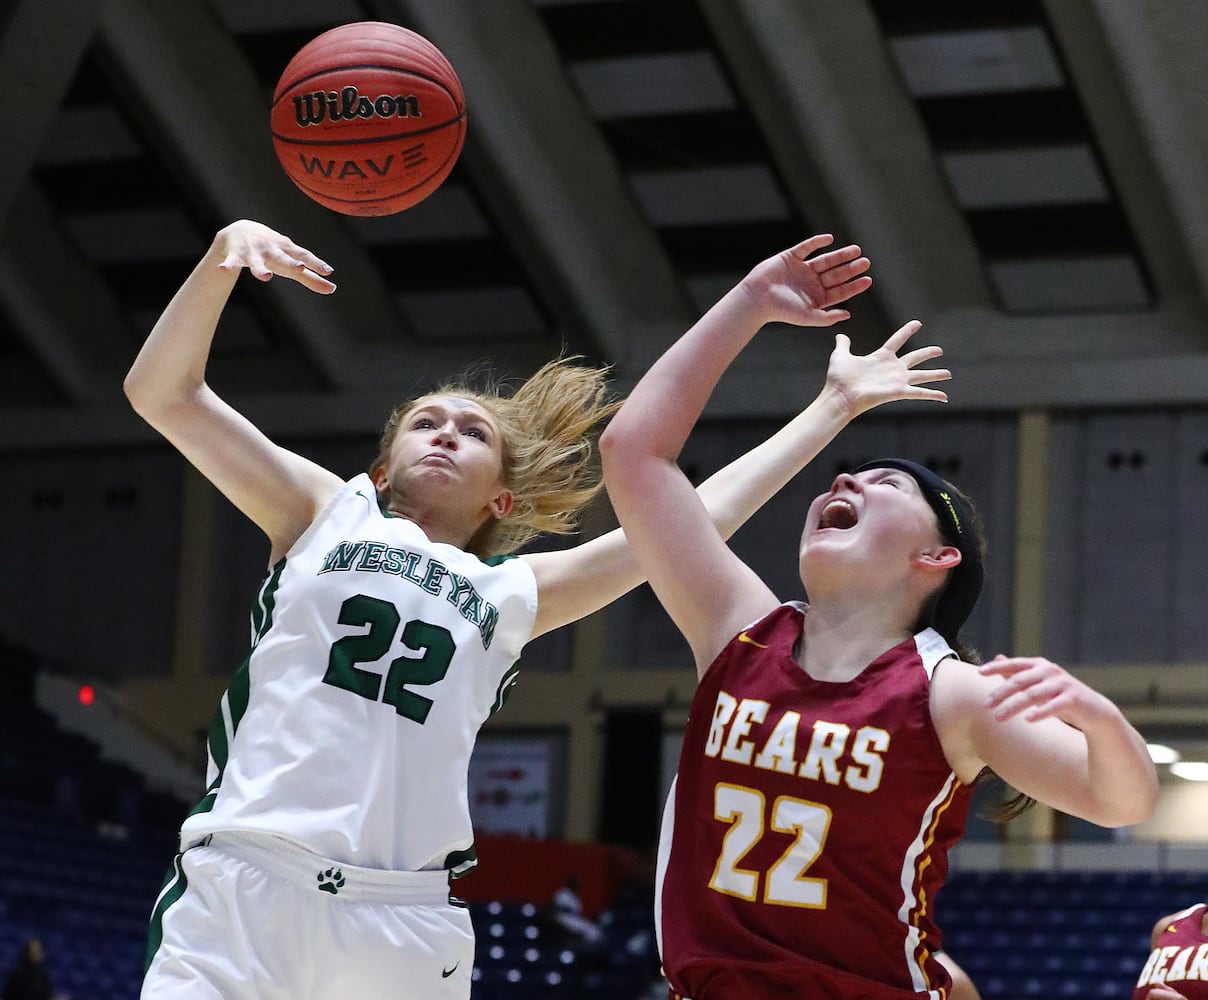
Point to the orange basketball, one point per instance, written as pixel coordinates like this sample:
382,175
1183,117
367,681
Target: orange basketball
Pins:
368,118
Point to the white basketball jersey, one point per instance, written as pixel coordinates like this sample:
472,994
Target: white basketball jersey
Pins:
377,655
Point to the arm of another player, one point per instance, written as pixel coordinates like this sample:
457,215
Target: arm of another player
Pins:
962,985
596,573
1047,734
279,490
576,582
705,588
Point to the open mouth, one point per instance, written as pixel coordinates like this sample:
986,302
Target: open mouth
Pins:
838,514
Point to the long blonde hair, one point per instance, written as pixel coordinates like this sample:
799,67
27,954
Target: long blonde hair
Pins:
549,426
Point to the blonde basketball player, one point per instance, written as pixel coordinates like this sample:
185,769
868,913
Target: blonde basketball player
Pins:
387,630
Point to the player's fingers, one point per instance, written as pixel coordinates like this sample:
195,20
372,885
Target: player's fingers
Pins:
813,244
259,268
844,271
307,259
1049,698
1019,692
849,289
920,392
902,334
834,258
829,317
912,359
1013,686
1001,665
918,376
1006,707
1044,710
315,282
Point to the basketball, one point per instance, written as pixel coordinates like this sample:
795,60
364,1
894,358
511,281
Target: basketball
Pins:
368,118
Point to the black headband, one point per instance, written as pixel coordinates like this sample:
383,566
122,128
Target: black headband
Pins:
957,526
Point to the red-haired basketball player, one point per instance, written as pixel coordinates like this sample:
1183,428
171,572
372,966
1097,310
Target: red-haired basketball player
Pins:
831,747
1177,968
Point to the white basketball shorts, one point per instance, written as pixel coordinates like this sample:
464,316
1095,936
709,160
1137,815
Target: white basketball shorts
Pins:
249,916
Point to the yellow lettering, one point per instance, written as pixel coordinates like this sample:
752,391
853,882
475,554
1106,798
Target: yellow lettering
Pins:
737,748
1199,967
1178,969
1143,979
779,753
826,746
1158,972
866,749
723,712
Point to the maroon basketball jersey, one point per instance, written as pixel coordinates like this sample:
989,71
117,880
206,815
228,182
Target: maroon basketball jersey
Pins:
1180,958
808,829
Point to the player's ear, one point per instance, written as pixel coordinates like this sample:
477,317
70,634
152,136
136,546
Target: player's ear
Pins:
944,558
501,504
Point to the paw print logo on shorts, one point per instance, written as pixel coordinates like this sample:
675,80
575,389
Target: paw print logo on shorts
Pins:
331,880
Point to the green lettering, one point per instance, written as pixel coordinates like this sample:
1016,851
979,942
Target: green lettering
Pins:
341,558
409,569
432,578
371,557
392,562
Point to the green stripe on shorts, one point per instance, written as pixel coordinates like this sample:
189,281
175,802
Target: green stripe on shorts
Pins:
173,888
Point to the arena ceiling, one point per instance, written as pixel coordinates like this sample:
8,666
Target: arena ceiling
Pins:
1028,177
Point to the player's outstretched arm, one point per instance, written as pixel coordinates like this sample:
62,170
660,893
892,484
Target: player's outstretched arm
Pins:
854,384
279,490
576,582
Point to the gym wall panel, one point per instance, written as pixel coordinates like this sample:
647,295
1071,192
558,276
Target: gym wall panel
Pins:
91,561
1112,541
1188,521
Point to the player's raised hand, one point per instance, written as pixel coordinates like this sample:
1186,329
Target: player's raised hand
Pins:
868,380
266,252
799,288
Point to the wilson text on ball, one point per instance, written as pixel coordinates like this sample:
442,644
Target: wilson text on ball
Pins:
349,104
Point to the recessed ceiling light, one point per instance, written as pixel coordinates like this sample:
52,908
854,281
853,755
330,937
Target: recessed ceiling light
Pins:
1190,770
1161,754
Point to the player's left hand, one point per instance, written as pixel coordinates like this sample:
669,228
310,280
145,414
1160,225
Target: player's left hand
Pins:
796,287
1040,689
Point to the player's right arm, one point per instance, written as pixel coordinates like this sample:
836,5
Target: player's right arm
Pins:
280,491
707,590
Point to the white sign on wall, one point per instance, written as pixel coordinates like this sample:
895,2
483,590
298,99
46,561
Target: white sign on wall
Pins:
510,785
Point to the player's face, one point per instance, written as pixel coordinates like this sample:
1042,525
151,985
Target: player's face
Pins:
446,442
878,517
